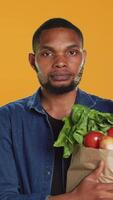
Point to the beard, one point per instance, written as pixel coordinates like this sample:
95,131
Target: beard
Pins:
59,90
62,89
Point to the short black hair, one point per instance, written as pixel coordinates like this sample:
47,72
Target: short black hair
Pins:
54,23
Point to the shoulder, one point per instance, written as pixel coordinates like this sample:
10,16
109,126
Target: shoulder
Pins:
18,104
96,102
21,108
14,113
17,110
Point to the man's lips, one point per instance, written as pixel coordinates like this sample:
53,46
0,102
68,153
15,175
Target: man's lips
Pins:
60,76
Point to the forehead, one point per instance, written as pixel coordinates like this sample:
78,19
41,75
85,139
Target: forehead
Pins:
59,36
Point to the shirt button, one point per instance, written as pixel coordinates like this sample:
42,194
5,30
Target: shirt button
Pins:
48,172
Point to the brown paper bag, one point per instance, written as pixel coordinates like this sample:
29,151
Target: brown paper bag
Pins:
84,160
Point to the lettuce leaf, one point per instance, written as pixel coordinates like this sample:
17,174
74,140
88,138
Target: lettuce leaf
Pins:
81,121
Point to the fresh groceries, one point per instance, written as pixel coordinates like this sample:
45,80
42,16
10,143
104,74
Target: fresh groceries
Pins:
92,139
98,140
106,142
82,122
87,134
110,132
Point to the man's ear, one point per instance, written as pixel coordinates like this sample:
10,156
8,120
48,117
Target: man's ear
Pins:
32,60
84,55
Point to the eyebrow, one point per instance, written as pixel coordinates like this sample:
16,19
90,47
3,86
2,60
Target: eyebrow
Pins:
52,49
47,47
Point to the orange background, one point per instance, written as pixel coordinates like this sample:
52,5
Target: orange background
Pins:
18,21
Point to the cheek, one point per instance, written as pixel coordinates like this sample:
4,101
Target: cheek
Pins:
42,72
75,61
41,76
41,66
45,62
75,65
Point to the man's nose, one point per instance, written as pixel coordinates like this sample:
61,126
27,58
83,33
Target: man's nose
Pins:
60,61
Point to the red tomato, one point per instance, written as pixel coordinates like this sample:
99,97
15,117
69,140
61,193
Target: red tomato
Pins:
92,139
110,132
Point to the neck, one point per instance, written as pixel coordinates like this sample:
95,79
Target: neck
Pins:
58,106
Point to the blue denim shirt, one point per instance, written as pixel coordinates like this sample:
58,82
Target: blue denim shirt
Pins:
26,146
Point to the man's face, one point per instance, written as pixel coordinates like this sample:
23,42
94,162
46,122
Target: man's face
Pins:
59,59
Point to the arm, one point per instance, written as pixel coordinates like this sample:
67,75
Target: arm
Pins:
9,179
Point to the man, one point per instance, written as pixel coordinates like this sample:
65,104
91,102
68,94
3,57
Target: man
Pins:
30,167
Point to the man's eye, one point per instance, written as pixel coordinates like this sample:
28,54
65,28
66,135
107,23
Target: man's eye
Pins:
46,54
73,52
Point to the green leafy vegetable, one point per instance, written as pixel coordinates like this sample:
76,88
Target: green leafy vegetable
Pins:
81,121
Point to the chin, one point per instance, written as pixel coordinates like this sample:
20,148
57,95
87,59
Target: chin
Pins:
59,89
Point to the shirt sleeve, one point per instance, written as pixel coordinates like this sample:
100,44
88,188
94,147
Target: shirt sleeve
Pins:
9,180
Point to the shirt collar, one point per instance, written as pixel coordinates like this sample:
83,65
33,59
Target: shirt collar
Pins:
82,98
34,101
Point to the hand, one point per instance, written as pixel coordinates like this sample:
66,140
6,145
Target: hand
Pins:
90,188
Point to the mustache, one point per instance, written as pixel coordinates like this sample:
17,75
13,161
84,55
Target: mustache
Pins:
60,73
